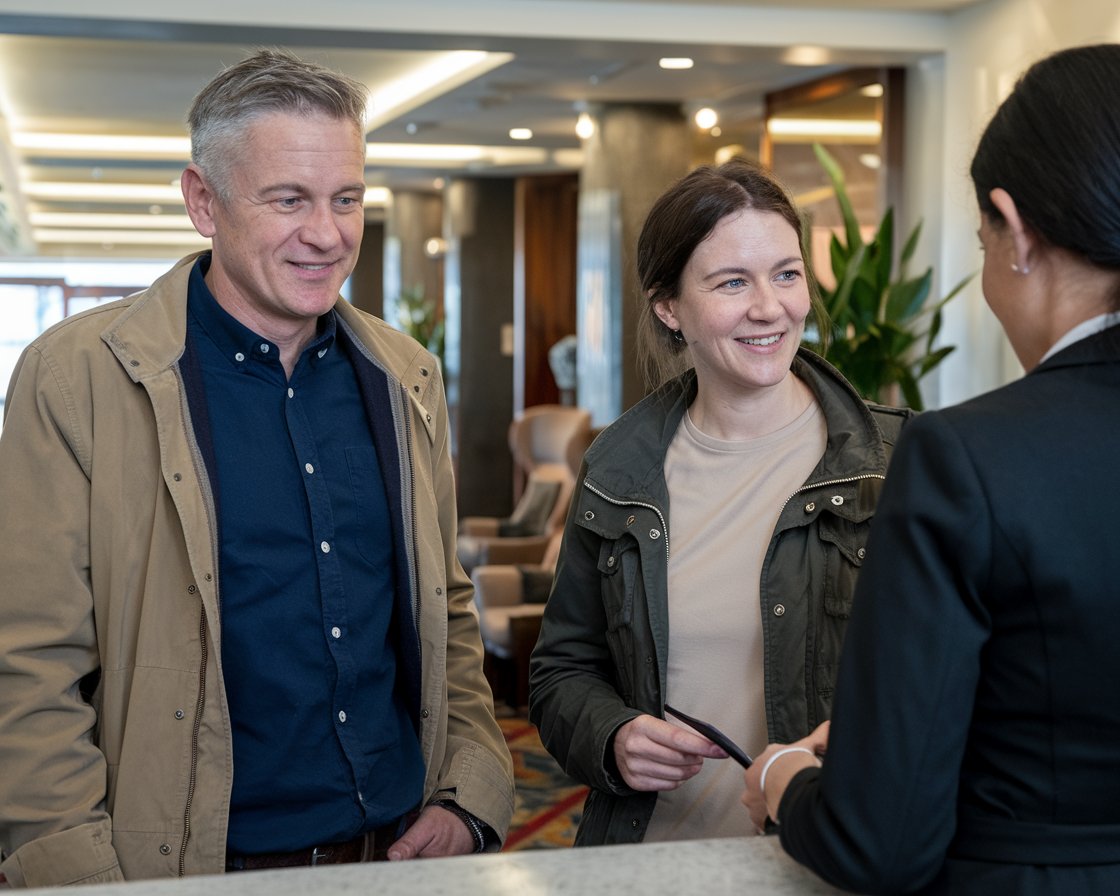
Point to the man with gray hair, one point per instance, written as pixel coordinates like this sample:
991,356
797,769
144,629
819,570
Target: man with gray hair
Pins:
235,632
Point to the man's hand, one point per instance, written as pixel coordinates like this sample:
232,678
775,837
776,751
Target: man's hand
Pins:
653,754
435,833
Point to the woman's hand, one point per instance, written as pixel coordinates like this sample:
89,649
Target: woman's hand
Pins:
653,754
778,771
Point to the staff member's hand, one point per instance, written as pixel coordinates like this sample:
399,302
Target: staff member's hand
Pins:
653,754
774,767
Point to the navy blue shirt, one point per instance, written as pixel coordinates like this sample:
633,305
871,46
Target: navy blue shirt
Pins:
323,745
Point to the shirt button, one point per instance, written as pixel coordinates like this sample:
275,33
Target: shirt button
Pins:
239,357
264,348
309,468
291,393
779,610
336,632
342,715
324,547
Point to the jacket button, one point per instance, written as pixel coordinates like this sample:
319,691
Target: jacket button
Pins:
630,520
654,533
191,589
178,477
837,500
179,714
861,553
415,388
634,823
423,371
610,561
424,713
780,610
165,849
810,507
589,515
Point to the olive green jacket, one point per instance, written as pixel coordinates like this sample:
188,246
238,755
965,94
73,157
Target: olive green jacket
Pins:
115,748
602,655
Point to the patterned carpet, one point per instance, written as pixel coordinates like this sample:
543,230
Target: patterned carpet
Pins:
548,804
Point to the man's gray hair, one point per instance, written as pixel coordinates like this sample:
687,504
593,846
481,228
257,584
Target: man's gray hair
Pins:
271,80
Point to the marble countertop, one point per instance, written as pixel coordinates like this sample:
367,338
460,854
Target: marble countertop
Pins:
710,867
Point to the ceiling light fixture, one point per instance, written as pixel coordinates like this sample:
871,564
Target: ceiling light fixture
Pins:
852,128
804,54
121,237
438,76
585,126
706,118
872,91
520,134
105,192
104,145
675,63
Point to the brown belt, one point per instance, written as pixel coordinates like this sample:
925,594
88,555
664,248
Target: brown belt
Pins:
369,847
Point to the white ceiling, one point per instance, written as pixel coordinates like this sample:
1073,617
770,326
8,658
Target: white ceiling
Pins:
65,70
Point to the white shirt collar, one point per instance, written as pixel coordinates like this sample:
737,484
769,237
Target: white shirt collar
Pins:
1082,330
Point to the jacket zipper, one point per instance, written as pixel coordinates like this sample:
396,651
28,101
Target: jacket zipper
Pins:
813,485
200,703
617,503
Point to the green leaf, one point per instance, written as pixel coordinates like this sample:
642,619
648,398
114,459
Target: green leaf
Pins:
836,176
905,298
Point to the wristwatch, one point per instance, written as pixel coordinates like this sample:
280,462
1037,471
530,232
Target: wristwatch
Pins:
476,827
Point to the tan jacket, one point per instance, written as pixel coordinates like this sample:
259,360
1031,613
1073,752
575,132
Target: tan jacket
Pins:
108,561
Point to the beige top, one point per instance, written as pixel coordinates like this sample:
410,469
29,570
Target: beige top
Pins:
725,498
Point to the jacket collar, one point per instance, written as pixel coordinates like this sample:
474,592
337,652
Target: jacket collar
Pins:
628,457
1100,348
148,338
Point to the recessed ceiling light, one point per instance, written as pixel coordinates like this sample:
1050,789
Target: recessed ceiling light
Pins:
675,62
706,118
585,126
520,134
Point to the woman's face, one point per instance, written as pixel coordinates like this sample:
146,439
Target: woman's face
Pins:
743,301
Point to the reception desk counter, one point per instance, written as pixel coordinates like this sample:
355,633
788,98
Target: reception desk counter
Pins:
754,865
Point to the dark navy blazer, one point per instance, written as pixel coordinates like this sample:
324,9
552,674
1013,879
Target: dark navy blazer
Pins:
975,740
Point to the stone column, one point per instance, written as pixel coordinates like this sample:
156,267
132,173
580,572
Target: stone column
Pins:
635,152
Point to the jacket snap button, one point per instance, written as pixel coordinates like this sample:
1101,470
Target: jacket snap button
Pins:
630,520
779,610
423,371
653,533
634,823
165,849
589,515
861,553
837,500
810,507
415,388
424,713
191,589
178,477
610,561
179,714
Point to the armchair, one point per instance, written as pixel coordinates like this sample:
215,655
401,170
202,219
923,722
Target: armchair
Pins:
547,443
510,599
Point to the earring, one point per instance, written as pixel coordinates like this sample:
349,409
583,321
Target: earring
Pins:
1024,270
678,337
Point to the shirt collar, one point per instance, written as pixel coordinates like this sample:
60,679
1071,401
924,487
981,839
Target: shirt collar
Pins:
233,339
1083,330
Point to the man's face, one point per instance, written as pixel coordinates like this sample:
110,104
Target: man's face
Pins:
287,235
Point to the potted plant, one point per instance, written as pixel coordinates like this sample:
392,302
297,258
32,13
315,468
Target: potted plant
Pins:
882,331
419,318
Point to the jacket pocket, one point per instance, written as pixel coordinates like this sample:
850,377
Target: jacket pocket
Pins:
844,547
619,563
